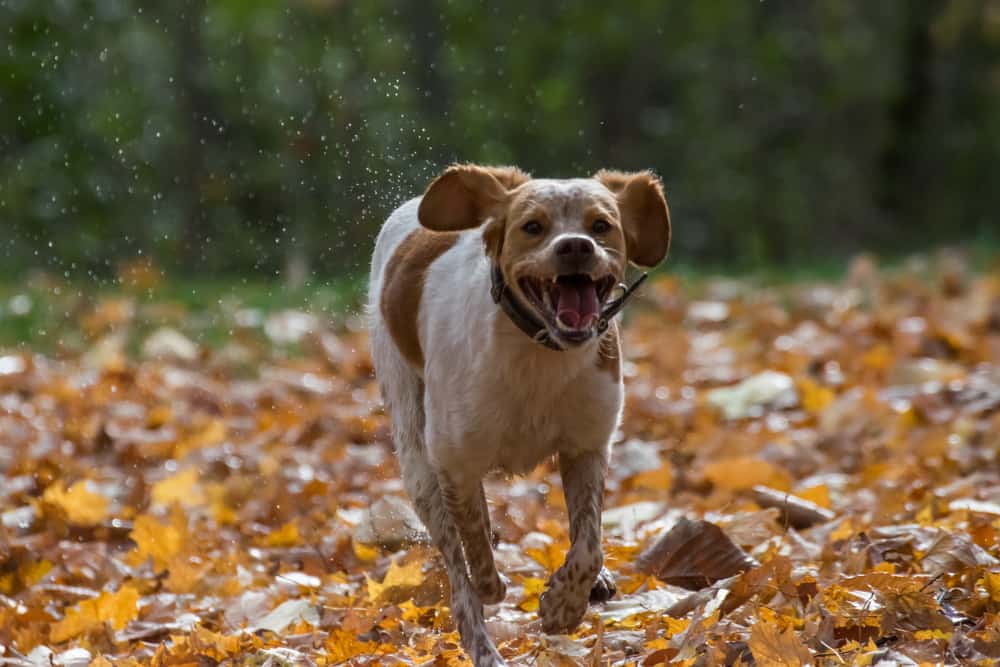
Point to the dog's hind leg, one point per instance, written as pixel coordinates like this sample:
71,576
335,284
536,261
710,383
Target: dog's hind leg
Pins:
405,400
565,600
466,501
466,606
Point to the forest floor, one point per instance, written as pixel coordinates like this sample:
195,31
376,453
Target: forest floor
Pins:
806,474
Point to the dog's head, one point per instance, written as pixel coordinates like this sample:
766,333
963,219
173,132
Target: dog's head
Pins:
562,245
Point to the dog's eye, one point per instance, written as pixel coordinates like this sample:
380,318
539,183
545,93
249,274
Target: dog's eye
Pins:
532,227
601,226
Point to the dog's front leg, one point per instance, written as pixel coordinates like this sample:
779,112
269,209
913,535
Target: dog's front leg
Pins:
466,502
569,590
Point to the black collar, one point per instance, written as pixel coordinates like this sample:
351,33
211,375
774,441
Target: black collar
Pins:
526,320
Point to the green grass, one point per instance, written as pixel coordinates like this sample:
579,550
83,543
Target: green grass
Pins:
47,315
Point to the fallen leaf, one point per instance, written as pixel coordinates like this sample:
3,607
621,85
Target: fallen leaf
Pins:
181,487
742,473
116,609
776,648
286,536
750,397
286,614
694,554
156,540
397,578
391,524
796,512
80,504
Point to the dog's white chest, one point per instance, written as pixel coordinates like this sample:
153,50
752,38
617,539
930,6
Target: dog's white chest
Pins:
511,416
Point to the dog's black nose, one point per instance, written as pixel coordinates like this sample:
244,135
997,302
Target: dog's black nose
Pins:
575,247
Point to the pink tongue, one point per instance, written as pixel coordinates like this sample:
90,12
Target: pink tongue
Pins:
577,305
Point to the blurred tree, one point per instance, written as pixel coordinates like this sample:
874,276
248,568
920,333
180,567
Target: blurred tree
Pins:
266,137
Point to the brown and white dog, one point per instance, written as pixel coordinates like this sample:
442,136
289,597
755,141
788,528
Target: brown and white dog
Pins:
459,277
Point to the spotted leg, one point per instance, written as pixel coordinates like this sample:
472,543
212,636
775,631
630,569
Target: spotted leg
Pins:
466,502
565,600
466,606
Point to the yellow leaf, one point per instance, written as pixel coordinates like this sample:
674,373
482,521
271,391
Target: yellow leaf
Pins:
181,487
659,479
927,635
154,540
185,574
885,566
81,506
551,556
411,613
398,576
815,397
286,536
364,552
115,608
744,472
100,661
878,358
211,433
341,646
32,573
842,532
675,625
218,505
533,589
991,582
926,515
770,646
213,645
819,494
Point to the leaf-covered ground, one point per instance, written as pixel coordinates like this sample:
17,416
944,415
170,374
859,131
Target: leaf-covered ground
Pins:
805,474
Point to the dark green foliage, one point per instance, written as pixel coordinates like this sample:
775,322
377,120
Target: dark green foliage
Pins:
271,137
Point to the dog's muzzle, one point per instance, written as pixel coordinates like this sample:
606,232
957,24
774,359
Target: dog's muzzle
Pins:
535,328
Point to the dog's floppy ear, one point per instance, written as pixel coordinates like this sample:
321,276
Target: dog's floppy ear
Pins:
465,195
645,216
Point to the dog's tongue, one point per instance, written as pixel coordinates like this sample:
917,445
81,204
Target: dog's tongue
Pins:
577,304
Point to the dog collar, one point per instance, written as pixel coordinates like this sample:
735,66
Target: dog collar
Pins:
526,321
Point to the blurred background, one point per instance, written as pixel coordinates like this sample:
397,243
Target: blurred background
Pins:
267,141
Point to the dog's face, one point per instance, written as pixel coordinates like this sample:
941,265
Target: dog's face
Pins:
563,245
562,251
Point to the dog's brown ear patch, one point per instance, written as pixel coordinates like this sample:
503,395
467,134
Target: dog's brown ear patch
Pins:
509,177
403,287
645,215
465,195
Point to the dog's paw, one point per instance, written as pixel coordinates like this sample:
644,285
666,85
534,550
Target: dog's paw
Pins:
486,656
604,587
492,590
560,613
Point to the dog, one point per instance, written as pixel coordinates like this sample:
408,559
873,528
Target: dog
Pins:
492,300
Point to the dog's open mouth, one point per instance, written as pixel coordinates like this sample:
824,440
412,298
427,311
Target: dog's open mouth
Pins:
570,304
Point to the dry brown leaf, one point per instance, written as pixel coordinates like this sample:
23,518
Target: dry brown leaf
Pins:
796,512
694,554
